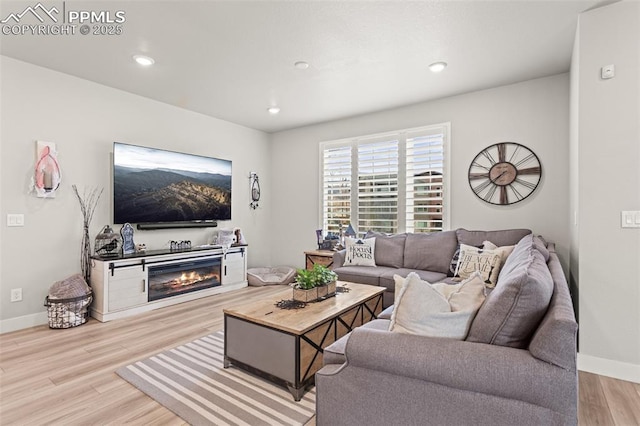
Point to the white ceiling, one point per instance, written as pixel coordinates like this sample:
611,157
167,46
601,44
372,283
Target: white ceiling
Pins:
234,59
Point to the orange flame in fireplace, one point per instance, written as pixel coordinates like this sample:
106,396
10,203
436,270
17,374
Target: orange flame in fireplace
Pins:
190,278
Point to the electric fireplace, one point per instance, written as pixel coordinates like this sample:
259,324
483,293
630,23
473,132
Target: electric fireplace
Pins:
183,277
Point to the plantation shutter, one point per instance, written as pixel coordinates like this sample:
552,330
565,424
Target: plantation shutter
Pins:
378,185
393,182
424,180
336,187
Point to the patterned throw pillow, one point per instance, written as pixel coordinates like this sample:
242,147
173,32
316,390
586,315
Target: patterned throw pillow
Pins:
503,251
360,252
472,259
454,261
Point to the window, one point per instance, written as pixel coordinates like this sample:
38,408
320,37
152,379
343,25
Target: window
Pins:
394,182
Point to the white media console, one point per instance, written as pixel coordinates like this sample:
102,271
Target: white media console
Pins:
131,284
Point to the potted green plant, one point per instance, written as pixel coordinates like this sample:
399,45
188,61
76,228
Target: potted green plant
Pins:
325,281
304,288
314,284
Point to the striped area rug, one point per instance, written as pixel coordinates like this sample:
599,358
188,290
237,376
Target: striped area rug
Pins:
190,381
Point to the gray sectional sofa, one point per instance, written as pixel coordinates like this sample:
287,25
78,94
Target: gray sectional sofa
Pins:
429,255
516,366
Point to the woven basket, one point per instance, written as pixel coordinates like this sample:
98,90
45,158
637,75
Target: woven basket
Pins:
67,313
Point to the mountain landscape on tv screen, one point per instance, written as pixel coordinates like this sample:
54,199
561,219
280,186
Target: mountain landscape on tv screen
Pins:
162,195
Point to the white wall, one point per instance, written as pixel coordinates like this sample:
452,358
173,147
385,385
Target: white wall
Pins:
534,113
607,158
84,119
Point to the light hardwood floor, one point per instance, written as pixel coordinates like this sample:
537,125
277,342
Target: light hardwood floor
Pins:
67,376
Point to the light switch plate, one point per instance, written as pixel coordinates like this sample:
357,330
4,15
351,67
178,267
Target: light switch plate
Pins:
630,219
14,219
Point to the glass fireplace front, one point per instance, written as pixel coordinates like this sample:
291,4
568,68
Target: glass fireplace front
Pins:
183,277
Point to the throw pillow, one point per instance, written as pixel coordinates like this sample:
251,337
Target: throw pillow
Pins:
514,309
454,261
439,310
360,252
472,259
504,252
389,249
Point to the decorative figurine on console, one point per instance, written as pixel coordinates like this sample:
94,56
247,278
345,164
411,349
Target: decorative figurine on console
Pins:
107,243
128,246
350,232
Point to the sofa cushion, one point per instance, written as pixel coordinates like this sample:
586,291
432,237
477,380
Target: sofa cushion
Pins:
541,245
437,310
362,274
505,237
472,259
554,341
360,252
513,310
389,249
334,353
386,279
430,252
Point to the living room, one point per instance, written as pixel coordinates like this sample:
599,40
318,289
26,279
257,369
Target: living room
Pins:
572,119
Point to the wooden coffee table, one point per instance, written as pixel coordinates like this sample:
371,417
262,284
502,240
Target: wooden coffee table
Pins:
285,346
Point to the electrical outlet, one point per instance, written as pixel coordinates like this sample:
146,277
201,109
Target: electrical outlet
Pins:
16,295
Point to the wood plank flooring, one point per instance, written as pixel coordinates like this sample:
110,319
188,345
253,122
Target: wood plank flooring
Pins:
66,377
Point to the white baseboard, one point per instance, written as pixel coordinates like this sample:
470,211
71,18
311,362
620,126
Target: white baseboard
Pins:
26,321
607,367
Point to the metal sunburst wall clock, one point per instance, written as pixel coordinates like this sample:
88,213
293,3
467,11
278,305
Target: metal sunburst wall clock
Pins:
505,173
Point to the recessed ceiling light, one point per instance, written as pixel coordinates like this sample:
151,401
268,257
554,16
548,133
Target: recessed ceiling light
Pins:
143,60
437,66
301,65
273,110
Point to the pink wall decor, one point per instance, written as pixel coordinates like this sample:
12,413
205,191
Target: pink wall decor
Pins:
47,170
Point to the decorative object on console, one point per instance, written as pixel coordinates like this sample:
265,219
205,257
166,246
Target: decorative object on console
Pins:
180,245
504,173
255,190
128,246
108,243
88,202
226,238
360,252
47,170
239,236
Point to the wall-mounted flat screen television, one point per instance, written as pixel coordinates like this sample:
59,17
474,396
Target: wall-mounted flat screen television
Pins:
165,187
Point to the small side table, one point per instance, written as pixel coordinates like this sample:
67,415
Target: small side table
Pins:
320,257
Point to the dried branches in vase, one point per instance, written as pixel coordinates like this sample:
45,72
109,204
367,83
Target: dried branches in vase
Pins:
88,202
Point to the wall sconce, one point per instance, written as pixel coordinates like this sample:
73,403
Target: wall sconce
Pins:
254,184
